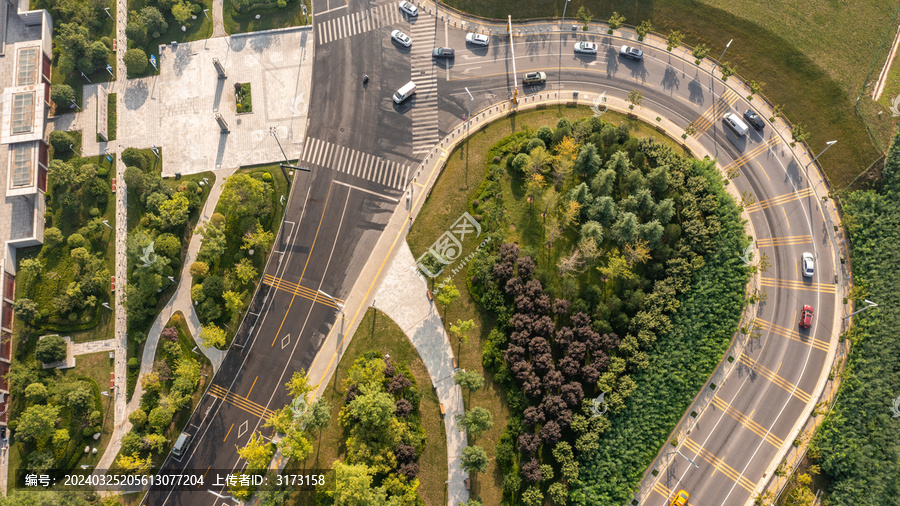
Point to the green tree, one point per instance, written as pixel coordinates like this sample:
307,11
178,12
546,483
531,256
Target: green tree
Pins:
643,29
135,61
461,329
62,95
373,409
475,421
699,53
136,33
31,267
138,418
727,70
298,385
173,213
799,134
257,452
244,196
52,237
155,442
133,157
36,392
134,179
212,336
61,141
616,21
260,239
588,161
245,271
134,464
26,310
153,21
636,98
533,496
51,349
199,269
755,88
181,11
160,417
234,301
37,423
214,243
674,40
99,54
167,245
73,40
354,486
585,16
473,459
316,416
470,380
446,294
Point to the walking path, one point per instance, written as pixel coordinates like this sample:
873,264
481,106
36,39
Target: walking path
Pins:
218,19
403,296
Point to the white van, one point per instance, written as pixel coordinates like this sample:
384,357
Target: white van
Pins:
736,124
408,90
181,444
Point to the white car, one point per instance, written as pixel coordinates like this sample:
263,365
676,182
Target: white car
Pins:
586,47
808,265
401,38
477,39
409,8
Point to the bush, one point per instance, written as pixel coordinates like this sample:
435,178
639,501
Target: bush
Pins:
51,349
103,172
135,61
132,157
199,269
134,363
52,237
281,4
76,240
62,95
61,141
138,418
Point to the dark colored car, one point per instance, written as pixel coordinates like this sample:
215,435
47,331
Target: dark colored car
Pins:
806,317
443,52
754,119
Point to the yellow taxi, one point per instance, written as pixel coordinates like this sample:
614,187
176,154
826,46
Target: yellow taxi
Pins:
681,499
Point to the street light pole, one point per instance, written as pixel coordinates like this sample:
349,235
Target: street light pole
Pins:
723,52
828,145
468,124
869,305
563,20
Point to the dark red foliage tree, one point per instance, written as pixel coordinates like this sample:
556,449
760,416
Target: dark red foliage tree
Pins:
553,381
563,337
403,408
526,267
560,306
389,369
552,406
520,338
551,432
577,351
533,288
542,363
524,304
600,361
529,443
542,304
532,416
405,453
170,333
520,322
572,393
531,385
503,271
538,346
608,341
514,286
410,470
522,370
398,383
590,374
531,471
514,354
352,392
569,367
543,327
564,419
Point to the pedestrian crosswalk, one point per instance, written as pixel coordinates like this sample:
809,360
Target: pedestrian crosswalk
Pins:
356,163
355,23
425,113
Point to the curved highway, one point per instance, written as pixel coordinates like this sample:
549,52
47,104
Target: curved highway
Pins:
363,150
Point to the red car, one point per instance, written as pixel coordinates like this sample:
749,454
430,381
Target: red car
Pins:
806,317
112,283
114,185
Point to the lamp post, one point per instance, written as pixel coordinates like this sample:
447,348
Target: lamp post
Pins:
75,105
205,13
468,123
869,305
107,13
723,52
340,308
563,20
827,145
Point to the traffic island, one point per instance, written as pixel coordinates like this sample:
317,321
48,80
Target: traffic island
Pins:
242,99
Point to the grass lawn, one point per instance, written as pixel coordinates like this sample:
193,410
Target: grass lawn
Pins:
378,332
809,54
110,118
269,18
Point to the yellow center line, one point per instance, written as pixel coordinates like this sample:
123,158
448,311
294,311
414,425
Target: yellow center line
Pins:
786,220
272,281
226,436
782,199
315,297
798,285
747,422
793,335
308,257
253,385
207,470
239,401
719,465
784,241
775,379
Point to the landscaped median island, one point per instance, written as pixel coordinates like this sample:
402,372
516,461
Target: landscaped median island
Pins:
243,16
152,23
605,284
385,436
236,243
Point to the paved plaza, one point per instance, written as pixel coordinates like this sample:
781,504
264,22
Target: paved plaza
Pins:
176,109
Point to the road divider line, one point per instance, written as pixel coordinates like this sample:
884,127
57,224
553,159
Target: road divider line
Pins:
782,199
798,285
747,422
719,465
792,335
775,379
788,240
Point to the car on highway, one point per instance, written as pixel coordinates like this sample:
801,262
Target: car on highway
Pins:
808,264
631,52
534,78
754,119
806,317
680,499
478,39
586,47
401,38
409,8
443,52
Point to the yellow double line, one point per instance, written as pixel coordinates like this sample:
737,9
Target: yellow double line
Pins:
777,380
302,291
753,153
792,335
721,105
662,490
719,465
777,201
241,402
745,421
784,241
798,285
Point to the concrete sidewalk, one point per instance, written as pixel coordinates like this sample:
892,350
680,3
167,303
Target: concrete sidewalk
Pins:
403,297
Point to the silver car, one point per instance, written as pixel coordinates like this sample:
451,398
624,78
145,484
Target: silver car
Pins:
409,8
477,38
808,262
401,38
586,47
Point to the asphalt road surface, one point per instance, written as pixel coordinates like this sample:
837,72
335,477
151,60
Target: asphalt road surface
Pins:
361,148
